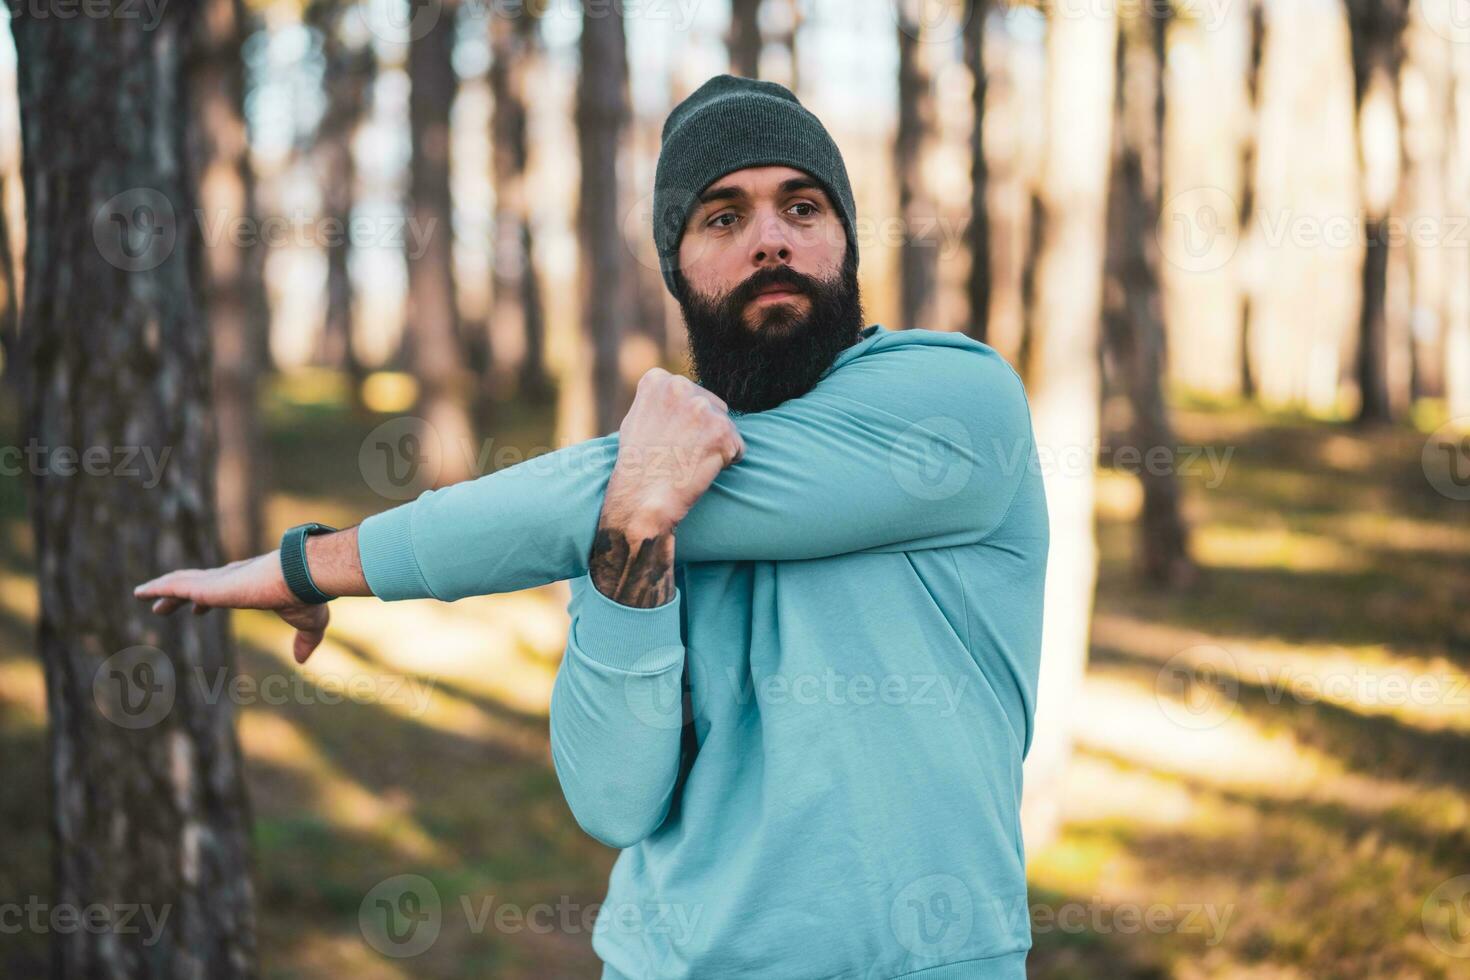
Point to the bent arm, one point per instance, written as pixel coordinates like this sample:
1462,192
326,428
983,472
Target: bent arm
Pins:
913,448
617,713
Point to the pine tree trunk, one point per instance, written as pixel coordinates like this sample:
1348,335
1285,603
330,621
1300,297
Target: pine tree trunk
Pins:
517,319
744,40
1132,318
602,120
1256,28
1377,40
1065,383
436,354
234,286
917,257
977,233
1457,278
347,77
149,811
10,376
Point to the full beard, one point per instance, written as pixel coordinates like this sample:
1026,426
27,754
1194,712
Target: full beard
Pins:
757,368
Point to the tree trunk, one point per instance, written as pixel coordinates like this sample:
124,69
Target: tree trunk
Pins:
1377,42
234,288
1065,383
744,40
517,319
602,119
1132,317
1457,279
10,379
347,77
1256,14
436,354
149,810
917,256
977,233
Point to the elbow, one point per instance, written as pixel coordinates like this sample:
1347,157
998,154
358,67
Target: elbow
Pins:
616,822
618,812
615,833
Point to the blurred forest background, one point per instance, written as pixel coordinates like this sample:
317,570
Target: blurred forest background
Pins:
276,261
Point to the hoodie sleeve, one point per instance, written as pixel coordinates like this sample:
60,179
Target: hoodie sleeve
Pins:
910,447
617,714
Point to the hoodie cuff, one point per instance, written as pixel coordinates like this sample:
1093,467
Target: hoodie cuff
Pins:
385,549
629,638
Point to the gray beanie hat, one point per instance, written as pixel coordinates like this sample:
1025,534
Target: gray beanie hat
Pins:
727,124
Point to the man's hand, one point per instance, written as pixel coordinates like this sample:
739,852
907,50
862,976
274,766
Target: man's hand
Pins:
674,441
258,583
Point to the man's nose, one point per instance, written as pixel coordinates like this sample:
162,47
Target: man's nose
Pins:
771,241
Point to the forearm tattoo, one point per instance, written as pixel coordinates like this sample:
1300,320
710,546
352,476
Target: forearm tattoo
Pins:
633,573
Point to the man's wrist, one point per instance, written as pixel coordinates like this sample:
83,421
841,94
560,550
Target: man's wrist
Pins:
336,566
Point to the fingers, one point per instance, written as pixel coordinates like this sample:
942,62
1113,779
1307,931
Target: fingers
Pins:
167,606
305,643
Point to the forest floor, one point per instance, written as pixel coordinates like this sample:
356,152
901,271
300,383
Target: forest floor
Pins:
1272,776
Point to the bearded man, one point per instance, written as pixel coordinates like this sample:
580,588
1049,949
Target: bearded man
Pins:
800,677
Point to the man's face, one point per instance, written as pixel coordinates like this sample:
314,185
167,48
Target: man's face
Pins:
768,288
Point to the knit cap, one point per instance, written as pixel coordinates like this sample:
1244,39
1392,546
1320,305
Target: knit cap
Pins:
727,124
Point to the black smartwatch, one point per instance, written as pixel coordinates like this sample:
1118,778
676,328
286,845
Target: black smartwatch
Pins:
293,563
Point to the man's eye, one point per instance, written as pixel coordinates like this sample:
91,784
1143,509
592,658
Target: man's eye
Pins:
811,209
718,220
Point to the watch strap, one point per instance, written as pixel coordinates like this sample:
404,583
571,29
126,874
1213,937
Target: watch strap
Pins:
293,563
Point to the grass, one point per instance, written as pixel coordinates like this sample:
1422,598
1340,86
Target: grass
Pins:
1298,828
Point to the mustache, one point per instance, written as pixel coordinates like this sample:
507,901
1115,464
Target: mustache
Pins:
775,275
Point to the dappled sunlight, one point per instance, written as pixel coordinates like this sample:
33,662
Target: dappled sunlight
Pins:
1397,532
285,509
268,738
1427,692
1345,452
18,596
317,953
1234,546
1119,717
22,693
413,693
1119,496
505,647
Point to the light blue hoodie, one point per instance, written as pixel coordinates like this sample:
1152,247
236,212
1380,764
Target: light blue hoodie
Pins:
811,755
